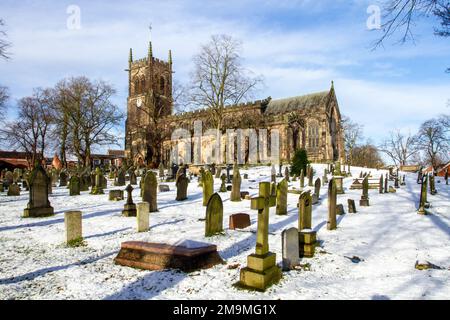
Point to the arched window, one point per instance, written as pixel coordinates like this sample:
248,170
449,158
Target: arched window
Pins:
142,84
313,135
162,82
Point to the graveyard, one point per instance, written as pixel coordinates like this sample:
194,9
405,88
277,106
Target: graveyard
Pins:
395,246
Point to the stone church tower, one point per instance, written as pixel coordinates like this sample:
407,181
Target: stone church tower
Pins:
149,93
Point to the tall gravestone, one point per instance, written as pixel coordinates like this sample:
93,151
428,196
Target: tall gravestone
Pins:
282,190
149,192
273,174
63,179
182,186
143,216
133,178
316,194
364,201
286,173
423,196
302,179
236,186
161,170
208,186
38,205
310,176
290,248
386,183
129,209
73,226
74,186
332,199
307,237
214,216
380,187
261,270
98,188
120,177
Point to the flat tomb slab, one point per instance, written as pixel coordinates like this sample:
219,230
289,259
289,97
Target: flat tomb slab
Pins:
159,256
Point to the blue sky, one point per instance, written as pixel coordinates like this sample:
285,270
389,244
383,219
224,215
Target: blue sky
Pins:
298,47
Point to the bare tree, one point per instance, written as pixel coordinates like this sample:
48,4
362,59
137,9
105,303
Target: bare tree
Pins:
367,155
4,44
86,116
401,15
433,140
353,134
180,97
30,132
4,96
399,147
219,79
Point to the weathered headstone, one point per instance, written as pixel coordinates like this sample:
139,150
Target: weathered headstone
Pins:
261,270
208,187
13,190
120,178
290,248
142,215
236,187
214,216
302,179
133,178
239,221
273,174
380,188
305,211
310,176
129,209
74,186
98,189
351,206
163,188
223,186
219,173
38,205
115,195
339,184
149,193
340,210
286,173
423,196
63,179
316,194
73,226
332,198
281,193
364,201
182,186
161,170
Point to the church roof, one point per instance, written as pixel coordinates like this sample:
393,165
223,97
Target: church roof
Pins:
295,103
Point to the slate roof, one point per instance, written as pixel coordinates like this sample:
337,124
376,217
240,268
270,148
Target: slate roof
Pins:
281,106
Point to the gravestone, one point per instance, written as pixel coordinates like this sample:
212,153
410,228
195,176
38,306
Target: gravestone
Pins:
9,177
208,187
340,210
432,185
85,181
396,184
339,184
325,177
386,182
129,209
200,177
115,195
13,190
63,179
228,173
307,237
38,204
302,179
120,178
239,221
351,206
133,178
161,170
380,189
423,196
332,198
236,187
273,174
364,201
214,216
290,248
316,194
286,174
149,193
219,173
142,215
223,186
310,176
73,226
281,194
180,171
163,188
74,186
261,270
280,169
182,186
98,189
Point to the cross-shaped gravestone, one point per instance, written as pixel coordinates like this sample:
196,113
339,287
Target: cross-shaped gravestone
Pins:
263,204
129,209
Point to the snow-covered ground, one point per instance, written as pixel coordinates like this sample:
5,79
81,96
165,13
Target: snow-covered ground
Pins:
388,237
